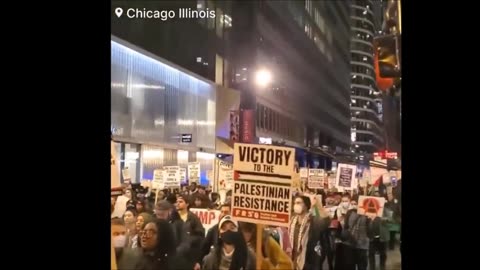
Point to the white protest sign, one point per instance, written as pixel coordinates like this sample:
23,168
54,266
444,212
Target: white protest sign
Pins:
194,172
209,218
126,174
386,178
370,206
346,175
171,176
262,184
316,178
157,182
183,175
225,175
303,172
331,181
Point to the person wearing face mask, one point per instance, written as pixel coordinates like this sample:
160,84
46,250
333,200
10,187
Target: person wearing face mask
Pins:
232,252
119,233
212,238
343,208
307,235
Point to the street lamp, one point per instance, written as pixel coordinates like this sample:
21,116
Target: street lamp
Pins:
263,77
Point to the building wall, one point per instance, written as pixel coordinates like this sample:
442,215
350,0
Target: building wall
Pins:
156,102
153,102
298,42
366,105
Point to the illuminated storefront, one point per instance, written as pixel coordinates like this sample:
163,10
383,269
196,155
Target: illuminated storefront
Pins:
153,105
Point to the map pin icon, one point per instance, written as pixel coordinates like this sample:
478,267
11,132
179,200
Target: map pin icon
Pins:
118,11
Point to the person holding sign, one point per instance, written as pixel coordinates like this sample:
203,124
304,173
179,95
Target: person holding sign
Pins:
273,255
232,252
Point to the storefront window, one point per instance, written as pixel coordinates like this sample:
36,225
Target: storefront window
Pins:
131,161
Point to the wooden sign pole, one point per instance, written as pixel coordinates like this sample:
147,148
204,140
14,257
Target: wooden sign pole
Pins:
258,248
156,195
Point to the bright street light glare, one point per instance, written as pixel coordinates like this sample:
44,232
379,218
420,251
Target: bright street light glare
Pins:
263,77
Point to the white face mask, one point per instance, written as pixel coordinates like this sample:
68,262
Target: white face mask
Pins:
345,205
119,241
297,208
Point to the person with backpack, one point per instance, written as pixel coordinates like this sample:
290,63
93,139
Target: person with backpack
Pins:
379,237
352,252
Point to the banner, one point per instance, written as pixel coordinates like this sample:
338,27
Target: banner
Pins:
194,172
209,218
158,182
224,175
171,176
316,178
247,128
346,175
234,126
370,206
262,184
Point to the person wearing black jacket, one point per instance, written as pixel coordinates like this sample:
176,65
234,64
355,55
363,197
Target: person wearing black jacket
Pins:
190,234
211,240
156,252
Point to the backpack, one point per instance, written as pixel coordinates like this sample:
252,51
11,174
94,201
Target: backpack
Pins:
351,234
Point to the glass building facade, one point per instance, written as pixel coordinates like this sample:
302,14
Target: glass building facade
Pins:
366,105
153,103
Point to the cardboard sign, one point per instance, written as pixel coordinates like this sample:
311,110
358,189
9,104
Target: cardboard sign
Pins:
126,174
303,172
263,184
171,176
225,175
316,178
157,182
194,172
371,206
346,175
331,181
209,218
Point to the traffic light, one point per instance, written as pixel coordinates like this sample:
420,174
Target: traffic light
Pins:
387,60
387,52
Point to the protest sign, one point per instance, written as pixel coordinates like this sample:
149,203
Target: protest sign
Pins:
224,175
194,172
370,206
316,178
209,218
171,177
157,182
346,175
183,175
262,184
303,172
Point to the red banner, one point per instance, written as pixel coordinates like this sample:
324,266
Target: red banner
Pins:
247,118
